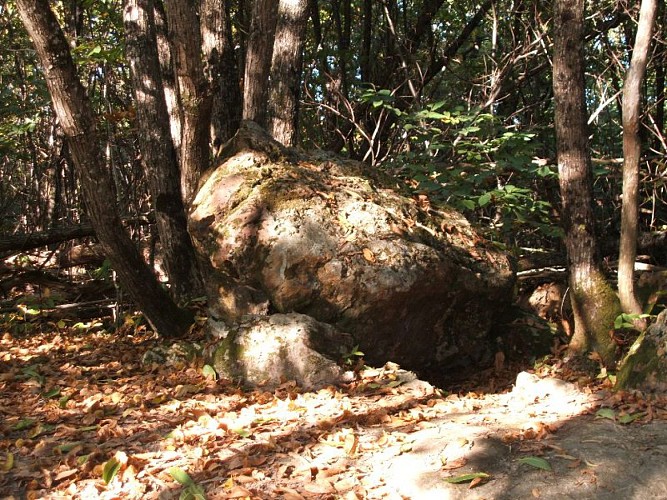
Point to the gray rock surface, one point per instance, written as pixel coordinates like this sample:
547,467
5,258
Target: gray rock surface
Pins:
645,365
285,232
267,351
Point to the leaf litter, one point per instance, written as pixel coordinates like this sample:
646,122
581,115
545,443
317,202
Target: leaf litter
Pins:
82,417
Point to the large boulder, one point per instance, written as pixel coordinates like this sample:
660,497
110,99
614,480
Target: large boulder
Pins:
280,231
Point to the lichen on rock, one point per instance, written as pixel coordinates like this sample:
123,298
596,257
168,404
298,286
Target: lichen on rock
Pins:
269,350
281,231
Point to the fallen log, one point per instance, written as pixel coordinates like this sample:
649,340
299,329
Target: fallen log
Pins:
28,241
21,242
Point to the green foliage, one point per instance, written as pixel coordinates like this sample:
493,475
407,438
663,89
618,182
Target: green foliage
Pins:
191,490
627,321
466,478
104,271
351,357
469,160
111,468
536,462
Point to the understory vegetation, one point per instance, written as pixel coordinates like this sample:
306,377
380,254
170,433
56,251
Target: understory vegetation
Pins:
453,101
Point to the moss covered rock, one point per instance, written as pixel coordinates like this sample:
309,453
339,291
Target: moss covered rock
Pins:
282,231
269,350
645,366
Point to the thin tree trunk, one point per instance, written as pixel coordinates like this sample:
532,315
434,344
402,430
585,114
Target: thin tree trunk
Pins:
77,120
258,60
365,64
631,154
286,69
221,70
169,84
594,303
193,91
158,156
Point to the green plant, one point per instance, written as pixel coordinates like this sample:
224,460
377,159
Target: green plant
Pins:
627,321
469,159
351,357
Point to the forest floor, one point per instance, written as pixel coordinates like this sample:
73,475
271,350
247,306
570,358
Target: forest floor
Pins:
82,417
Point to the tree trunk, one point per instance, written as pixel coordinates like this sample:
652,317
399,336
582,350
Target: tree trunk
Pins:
169,84
193,91
365,58
594,303
158,156
221,70
286,70
258,60
631,155
77,120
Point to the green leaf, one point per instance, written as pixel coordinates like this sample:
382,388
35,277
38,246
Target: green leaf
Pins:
181,476
24,423
31,372
192,492
537,462
52,393
466,478
110,470
628,418
484,199
67,447
244,433
469,204
209,372
606,413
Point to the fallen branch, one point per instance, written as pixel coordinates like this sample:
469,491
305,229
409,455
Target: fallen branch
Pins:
27,241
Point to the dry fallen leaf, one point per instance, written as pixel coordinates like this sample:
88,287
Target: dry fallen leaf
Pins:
351,444
454,464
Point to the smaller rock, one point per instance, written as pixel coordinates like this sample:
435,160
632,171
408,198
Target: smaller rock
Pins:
645,366
267,351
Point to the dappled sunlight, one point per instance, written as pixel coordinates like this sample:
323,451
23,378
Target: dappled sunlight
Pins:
92,412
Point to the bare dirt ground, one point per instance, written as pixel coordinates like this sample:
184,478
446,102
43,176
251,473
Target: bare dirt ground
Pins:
83,418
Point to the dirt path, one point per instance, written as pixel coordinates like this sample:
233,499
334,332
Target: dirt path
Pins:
73,405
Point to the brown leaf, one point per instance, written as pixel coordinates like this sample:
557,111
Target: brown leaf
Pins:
368,255
239,492
319,488
288,493
455,464
475,482
351,444
345,484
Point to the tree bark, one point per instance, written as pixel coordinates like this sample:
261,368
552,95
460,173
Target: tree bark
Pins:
221,70
158,155
365,58
631,155
286,68
78,123
169,84
258,60
594,303
193,91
